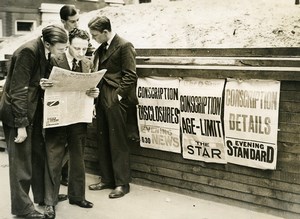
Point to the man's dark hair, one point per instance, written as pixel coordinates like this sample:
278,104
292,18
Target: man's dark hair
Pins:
100,23
54,34
79,34
68,11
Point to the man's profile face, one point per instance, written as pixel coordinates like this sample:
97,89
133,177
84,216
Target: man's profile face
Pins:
71,23
98,36
57,48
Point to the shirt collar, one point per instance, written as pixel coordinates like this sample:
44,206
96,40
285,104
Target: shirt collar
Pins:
70,59
109,41
46,50
46,53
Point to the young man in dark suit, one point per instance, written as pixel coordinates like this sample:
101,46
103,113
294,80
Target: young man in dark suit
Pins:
69,16
117,93
23,126
74,135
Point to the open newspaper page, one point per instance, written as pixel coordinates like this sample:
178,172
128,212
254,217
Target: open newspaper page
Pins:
66,102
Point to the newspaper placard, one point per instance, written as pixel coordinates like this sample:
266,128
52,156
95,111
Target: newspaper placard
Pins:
66,102
158,113
251,122
201,126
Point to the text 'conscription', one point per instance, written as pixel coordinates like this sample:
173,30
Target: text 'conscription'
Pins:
251,99
200,104
159,93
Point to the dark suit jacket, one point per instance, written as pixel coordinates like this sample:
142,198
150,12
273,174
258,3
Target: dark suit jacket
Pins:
22,83
119,60
62,62
56,136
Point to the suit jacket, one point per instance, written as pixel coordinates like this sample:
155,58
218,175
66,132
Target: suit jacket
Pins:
62,62
22,83
53,144
119,60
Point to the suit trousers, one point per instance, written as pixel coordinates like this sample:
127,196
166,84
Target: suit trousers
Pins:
56,139
38,156
20,171
112,142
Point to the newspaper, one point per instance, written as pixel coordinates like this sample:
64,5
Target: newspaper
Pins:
66,102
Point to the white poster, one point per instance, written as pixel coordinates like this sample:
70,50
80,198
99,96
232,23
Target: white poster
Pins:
66,102
251,122
201,126
158,113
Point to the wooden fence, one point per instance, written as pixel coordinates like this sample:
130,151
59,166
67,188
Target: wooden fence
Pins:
275,191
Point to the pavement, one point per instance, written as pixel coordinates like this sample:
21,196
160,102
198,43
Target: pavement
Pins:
141,203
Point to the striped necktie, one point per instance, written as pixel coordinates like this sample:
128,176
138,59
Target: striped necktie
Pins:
74,64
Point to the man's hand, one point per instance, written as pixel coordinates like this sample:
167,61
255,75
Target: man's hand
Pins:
45,83
93,92
22,135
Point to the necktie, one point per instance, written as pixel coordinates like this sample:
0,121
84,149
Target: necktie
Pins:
49,56
101,52
48,66
104,47
74,64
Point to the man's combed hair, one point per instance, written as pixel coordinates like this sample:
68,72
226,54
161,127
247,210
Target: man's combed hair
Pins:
79,34
68,11
54,34
100,23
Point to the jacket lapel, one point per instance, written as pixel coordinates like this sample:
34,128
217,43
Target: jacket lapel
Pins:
114,45
85,66
95,59
62,61
43,61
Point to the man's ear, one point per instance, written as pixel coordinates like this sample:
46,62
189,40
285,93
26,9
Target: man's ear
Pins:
105,31
47,45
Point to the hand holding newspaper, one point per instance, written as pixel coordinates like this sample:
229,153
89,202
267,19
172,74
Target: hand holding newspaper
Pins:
67,101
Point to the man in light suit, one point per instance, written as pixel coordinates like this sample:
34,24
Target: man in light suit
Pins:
117,94
74,135
23,126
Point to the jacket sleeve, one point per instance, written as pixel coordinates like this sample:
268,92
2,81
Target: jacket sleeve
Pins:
128,71
19,86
